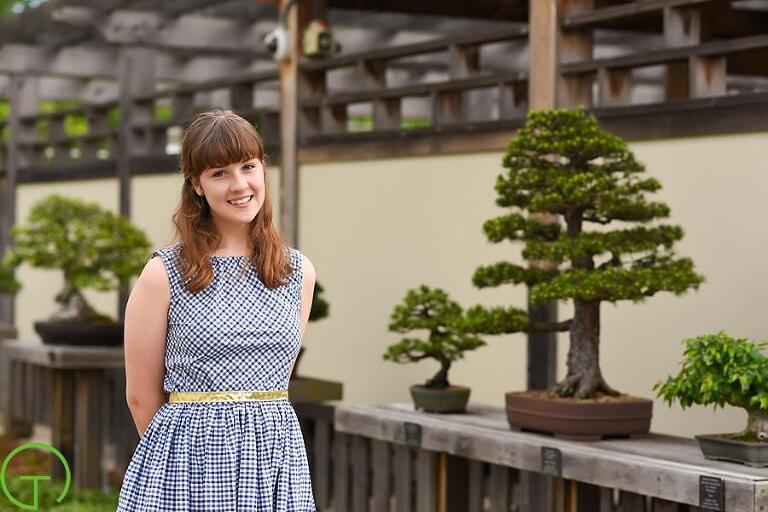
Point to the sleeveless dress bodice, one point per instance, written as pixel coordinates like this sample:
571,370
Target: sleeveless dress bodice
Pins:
234,335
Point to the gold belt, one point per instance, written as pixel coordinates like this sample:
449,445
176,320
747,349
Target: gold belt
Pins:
228,396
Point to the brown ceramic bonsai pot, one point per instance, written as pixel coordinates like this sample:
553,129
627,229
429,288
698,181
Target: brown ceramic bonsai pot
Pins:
451,399
578,419
724,447
80,333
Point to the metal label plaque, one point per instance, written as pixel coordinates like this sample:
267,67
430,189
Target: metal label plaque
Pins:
412,434
711,493
551,461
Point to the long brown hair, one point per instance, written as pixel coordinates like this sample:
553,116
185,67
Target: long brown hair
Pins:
216,139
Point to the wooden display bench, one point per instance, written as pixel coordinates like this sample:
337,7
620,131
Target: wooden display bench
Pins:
79,391
657,471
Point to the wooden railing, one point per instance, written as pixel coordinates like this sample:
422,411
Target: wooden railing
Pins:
400,459
327,113
46,142
695,53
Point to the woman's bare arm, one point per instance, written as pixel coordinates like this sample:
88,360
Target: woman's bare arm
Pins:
146,325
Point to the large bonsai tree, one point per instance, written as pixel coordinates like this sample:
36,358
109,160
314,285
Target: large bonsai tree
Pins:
565,174
93,247
434,311
718,369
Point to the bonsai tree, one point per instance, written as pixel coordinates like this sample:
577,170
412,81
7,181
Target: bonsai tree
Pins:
320,307
424,308
718,369
93,247
565,174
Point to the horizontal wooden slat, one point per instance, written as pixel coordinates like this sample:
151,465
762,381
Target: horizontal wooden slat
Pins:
250,77
667,55
660,466
460,84
408,50
622,11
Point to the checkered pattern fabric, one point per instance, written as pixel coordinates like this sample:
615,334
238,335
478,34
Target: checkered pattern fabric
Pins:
235,335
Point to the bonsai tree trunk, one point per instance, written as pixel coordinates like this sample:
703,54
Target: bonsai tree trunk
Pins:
757,424
440,380
74,307
584,379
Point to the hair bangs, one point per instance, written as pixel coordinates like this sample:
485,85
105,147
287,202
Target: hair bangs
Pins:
228,140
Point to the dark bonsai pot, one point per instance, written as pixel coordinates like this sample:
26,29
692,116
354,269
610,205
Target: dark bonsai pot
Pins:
452,399
585,420
80,333
727,447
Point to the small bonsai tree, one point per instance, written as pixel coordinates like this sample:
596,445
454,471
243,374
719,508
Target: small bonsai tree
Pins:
320,307
93,247
564,173
424,308
718,369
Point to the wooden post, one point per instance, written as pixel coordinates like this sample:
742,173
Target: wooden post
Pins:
24,99
549,46
297,18
137,76
63,419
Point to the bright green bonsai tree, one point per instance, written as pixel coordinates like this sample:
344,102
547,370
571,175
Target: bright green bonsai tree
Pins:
433,310
719,369
93,247
564,174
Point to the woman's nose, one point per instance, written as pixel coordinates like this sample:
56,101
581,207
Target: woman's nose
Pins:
239,181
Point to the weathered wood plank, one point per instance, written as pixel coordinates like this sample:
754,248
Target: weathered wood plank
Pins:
63,427
431,46
88,431
475,484
403,469
454,85
322,452
426,481
341,482
668,55
661,466
381,472
360,474
622,11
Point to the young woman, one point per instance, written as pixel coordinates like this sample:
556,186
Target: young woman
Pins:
216,320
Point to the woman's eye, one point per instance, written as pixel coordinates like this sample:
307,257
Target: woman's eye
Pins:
218,173
249,167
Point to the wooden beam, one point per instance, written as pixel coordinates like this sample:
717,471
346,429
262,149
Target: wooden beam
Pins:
100,63
666,55
191,33
137,76
612,13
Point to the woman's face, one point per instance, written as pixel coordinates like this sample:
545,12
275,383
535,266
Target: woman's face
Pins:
235,193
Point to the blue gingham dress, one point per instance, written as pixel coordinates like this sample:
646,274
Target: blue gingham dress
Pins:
235,335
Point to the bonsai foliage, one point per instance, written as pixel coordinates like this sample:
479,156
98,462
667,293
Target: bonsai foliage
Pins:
93,247
424,308
320,307
8,283
565,174
719,369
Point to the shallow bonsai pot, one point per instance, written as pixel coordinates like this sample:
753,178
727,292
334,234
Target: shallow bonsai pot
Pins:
451,399
78,333
717,447
585,420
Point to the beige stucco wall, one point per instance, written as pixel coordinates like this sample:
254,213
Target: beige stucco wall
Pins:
375,228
